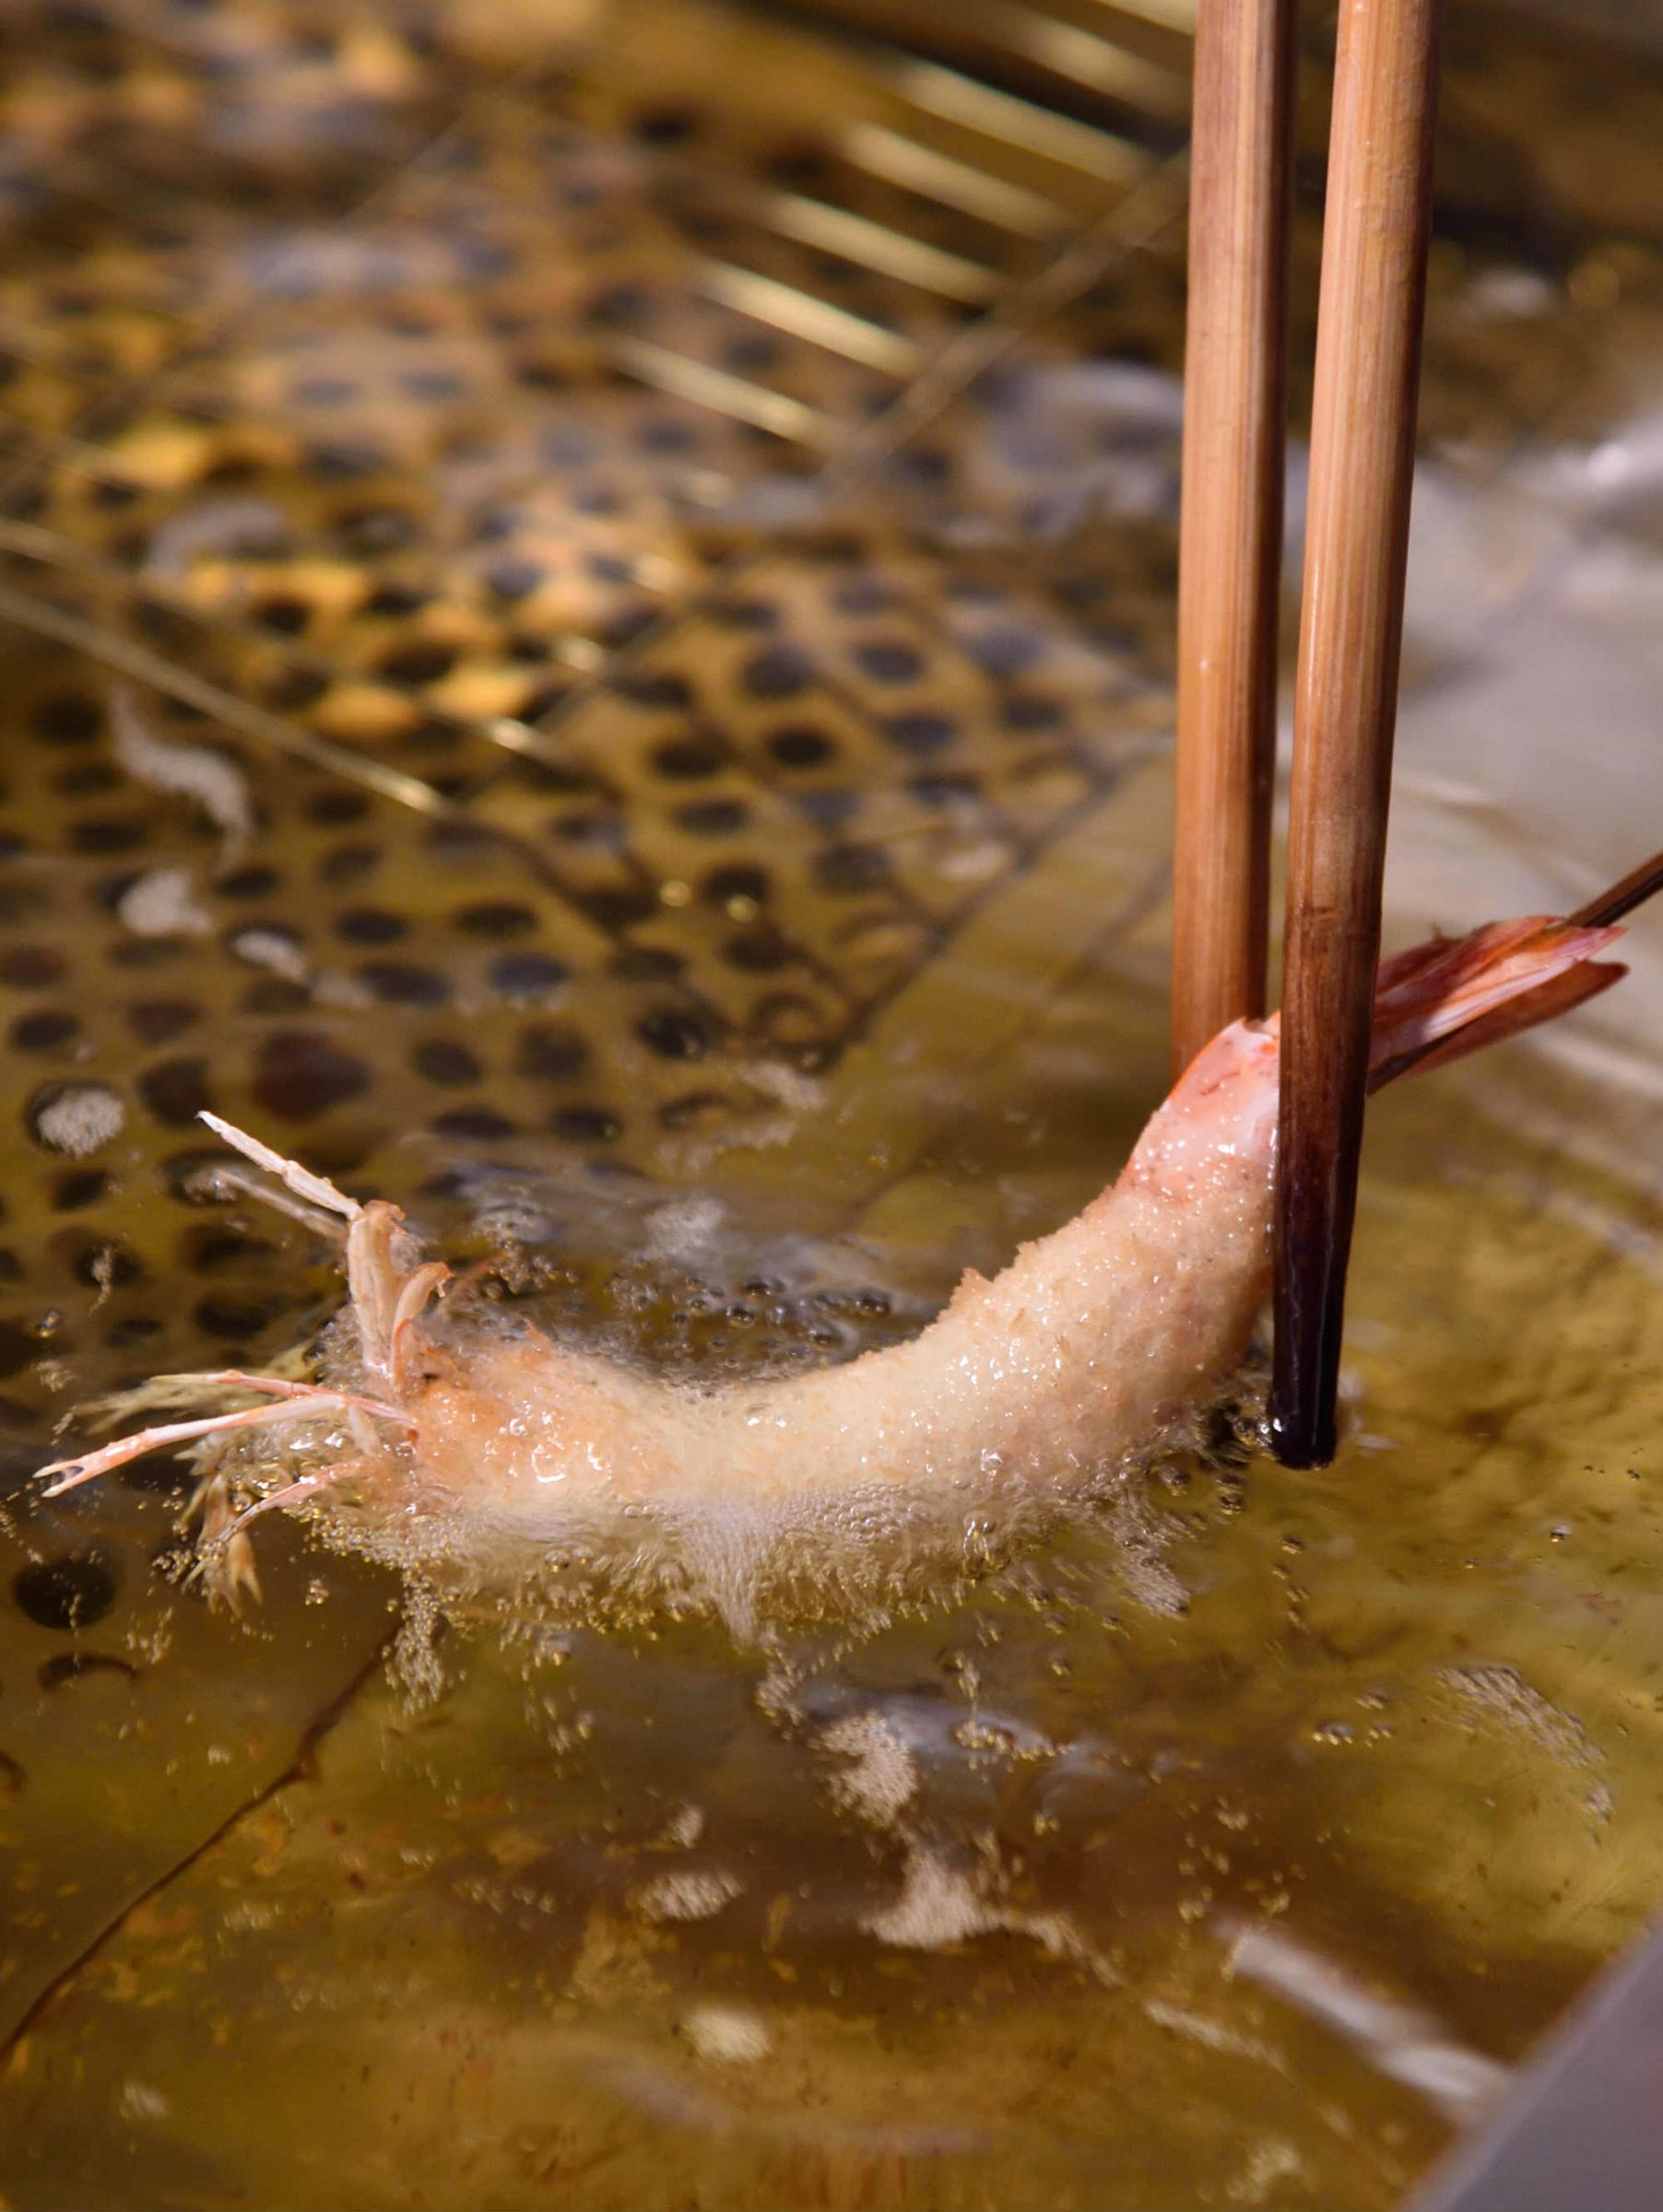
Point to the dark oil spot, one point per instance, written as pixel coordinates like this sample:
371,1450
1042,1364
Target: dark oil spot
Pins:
845,868
70,1593
106,833
397,983
110,890
610,568
292,691
442,1062
514,580
618,907
887,662
89,780
167,630
601,832
585,1125
647,964
713,818
1005,652
395,601
666,125
328,808
863,596
370,925
249,883
547,777
687,760
424,661
543,701
777,672
756,951
618,306
231,468
942,791
482,257
19,1348
623,625
205,1249
800,745
543,375
1081,591
549,1053
434,383
430,737
376,529
82,1186
923,465
737,880
475,1124
569,446
343,459
523,975
461,840
68,718
41,1032
175,1091
285,613
920,735
674,1033
31,967
756,615
301,1073
1023,712
146,952
273,995
347,864
71,1666
451,1183
496,918
828,810
105,1266
234,1320
798,163
654,687
695,1110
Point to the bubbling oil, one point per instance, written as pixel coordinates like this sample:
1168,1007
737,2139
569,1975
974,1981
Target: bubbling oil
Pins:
526,1520
1225,1840
856,1554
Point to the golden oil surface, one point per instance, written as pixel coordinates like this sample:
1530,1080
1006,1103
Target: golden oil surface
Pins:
737,887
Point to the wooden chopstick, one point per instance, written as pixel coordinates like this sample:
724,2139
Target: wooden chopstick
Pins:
1639,885
1230,530
1368,358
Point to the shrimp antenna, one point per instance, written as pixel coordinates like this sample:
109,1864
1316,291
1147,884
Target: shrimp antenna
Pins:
299,1180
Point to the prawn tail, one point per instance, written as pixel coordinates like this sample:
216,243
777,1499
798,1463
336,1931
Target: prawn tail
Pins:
1455,996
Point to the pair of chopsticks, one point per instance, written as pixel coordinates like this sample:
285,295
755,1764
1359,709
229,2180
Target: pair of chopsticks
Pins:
1368,355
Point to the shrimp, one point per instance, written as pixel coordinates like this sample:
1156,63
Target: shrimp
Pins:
1093,1346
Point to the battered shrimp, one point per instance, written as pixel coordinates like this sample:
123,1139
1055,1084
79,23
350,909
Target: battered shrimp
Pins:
491,1442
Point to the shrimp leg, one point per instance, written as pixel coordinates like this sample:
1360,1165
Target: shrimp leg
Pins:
296,1401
